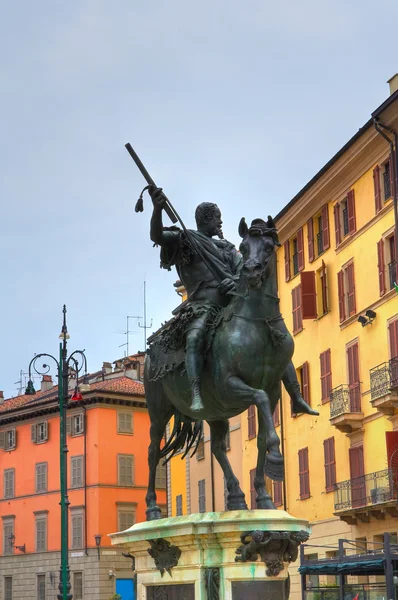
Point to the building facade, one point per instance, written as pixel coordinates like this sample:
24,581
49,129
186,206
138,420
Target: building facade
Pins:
107,437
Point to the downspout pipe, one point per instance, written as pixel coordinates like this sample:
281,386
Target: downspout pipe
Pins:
85,479
379,126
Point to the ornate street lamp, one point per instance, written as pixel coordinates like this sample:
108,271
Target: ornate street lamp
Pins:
77,361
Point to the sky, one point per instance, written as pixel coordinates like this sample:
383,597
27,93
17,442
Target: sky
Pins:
239,103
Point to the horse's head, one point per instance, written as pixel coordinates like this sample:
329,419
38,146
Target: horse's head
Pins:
257,248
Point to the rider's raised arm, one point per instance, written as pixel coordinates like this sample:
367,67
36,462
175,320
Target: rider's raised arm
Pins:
158,234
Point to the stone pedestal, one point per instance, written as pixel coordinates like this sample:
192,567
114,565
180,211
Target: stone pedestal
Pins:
235,555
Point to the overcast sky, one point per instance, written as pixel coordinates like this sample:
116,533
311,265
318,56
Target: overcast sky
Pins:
235,102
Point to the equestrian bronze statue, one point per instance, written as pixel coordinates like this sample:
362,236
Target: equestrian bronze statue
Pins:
226,349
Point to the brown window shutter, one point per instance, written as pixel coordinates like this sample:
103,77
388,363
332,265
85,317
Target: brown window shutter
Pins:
305,380
304,473
297,309
340,282
277,492
352,227
276,415
325,227
337,225
324,289
352,309
326,463
377,188
326,375
310,229
300,249
381,267
353,378
287,260
393,337
330,464
308,295
251,421
392,454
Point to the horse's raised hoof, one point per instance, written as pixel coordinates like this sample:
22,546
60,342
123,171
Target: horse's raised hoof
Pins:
274,468
265,503
153,513
236,502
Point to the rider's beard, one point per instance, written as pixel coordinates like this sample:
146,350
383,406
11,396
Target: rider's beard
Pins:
220,233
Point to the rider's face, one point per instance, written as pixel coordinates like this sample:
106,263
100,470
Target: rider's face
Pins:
215,223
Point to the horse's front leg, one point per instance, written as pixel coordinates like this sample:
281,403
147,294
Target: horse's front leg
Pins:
263,499
236,497
273,464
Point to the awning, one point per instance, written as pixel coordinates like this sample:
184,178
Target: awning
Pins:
372,567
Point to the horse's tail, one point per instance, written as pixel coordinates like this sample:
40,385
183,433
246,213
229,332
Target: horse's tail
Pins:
186,434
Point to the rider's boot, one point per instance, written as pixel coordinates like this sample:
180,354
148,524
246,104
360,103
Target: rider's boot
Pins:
292,387
194,365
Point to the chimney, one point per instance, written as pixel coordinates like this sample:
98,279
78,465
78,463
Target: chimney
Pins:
106,368
393,83
46,383
1,397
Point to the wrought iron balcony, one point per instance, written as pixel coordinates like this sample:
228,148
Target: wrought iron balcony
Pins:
345,407
368,491
384,385
392,273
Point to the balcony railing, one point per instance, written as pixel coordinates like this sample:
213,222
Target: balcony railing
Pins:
345,399
319,241
392,273
368,490
383,379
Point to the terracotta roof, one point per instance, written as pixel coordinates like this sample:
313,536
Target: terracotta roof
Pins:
118,385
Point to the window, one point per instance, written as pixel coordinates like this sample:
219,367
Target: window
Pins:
344,217
125,422
277,493
179,505
41,586
253,493
326,375
39,432
294,254
125,469
7,588
160,481
202,495
41,533
330,464
76,471
8,535
304,474
387,180
41,477
75,424
297,309
8,439
318,234
9,483
126,516
386,257
322,304
78,585
251,421
304,379
346,292
200,451
76,522
354,384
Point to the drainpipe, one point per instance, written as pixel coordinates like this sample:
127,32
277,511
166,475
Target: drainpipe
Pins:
85,478
379,126
213,496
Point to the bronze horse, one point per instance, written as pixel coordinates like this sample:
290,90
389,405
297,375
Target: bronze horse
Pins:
249,355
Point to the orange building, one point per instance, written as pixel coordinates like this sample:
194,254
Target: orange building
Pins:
108,437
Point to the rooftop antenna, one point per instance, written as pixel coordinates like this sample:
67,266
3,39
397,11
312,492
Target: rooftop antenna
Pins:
21,383
145,326
127,333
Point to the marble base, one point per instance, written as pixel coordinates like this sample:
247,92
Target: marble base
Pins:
193,551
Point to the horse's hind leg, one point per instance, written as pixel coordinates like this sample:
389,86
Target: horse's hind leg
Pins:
236,498
273,463
159,419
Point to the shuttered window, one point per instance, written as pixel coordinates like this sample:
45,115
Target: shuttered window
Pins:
124,422
77,530
351,290
251,421
75,424
41,586
308,295
8,533
297,310
341,293
8,439
381,267
160,481
9,483
346,292
286,247
39,432
337,223
41,534
202,495
310,233
8,588
41,477
277,493
253,493
126,519
304,475
76,471
352,226
377,189
393,338
354,390
300,249
125,469
357,476
179,505
78,585
326,375
330,464
325,228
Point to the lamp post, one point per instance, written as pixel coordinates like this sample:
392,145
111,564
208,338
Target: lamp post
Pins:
64,364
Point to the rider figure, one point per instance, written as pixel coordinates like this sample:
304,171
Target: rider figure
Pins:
206,296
